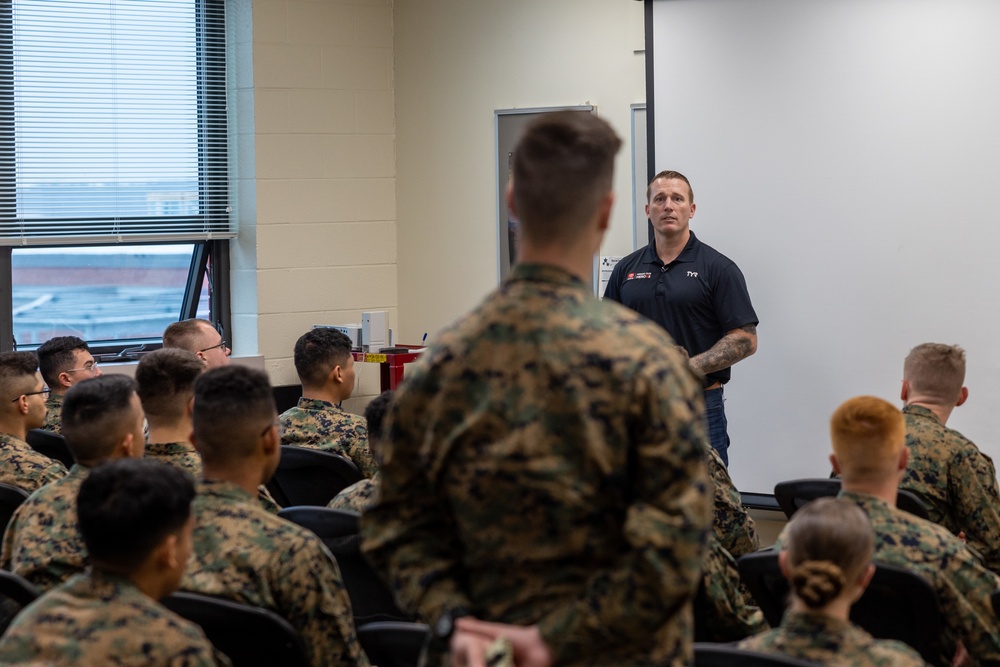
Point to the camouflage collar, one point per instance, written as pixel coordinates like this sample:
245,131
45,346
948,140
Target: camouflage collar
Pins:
544,273
225,490
920,411
316,404
865,501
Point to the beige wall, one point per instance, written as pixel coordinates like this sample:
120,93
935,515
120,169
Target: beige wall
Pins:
363,151
315,165
456,61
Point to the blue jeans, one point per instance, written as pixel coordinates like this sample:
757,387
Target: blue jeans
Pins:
715,413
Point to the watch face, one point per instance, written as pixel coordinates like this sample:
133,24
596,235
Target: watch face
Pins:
444,625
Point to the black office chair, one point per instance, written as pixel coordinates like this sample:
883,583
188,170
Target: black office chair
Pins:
51,444
249,636
371,598
311,477
898,603
395,643
724,655
16,593
11,498
793,494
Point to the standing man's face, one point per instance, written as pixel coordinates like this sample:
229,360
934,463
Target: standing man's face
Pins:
670,207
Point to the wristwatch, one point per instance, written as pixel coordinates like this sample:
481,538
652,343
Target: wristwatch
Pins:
445,625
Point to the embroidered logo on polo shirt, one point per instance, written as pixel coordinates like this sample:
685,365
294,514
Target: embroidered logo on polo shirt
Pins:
692,274
634,276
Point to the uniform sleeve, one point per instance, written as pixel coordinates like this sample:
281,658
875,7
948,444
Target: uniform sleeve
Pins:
731,299
310,593
973,489
10,541
652,583
408,534
964,592
733,526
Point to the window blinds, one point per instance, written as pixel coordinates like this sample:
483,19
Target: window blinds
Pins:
112,121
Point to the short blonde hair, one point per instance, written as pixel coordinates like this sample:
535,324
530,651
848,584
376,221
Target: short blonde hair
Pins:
935,370
867,434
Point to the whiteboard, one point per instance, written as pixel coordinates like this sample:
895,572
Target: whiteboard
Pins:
846,154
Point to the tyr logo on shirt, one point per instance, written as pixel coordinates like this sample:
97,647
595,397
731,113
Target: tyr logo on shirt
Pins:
692,274
633,276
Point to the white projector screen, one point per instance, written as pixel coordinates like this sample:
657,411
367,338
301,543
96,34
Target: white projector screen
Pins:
846,154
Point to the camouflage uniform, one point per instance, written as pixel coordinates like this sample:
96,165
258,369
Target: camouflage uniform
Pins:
322,425
724,609
178,454
358,497
963,585
957,480
831,642
243,553
96,619
184,456
732,525
53,415
544,464
43,542
23,467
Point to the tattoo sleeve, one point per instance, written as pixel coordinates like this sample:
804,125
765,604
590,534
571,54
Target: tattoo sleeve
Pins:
736,345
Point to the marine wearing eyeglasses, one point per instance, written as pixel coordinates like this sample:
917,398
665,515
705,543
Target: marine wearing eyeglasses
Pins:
22,407
199,337
63,362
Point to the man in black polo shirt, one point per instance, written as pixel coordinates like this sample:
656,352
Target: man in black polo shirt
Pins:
696,293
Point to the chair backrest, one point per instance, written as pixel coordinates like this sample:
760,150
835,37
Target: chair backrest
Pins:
395,643
898,603
249,636
11,498
371,598
723,655
793,494
51,444
310,477
16,593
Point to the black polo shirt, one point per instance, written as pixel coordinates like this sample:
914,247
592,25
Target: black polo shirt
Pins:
697,298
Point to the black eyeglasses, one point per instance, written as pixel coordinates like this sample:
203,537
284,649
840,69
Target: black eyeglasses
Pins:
221,343
43,392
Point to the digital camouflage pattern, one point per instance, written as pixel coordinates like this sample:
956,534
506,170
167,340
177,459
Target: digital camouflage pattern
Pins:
831,642
96,619
245,554
329,428
23,467
724,609
53,414
43,543
957,480
358,497
183,455
732,525
544,464
963,585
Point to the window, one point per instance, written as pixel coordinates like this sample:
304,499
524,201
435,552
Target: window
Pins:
113,167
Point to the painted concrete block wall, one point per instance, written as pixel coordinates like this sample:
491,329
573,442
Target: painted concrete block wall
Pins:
456,61
315,173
